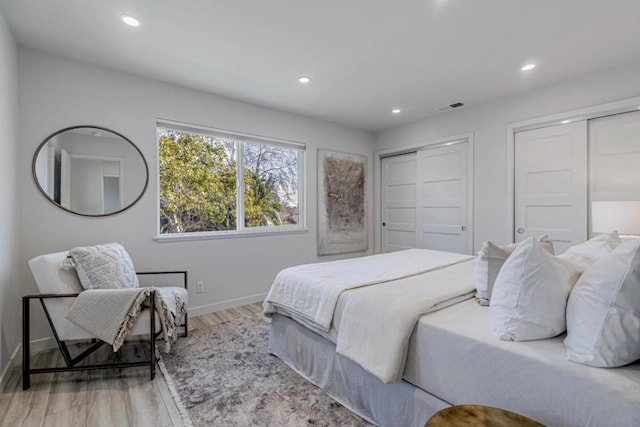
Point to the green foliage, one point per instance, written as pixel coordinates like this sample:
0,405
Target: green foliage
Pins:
261,206
198,183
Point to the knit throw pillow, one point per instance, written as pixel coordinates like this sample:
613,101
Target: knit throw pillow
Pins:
105,266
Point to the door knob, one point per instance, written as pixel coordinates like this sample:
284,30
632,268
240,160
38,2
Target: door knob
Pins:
384,224
464,228
520,230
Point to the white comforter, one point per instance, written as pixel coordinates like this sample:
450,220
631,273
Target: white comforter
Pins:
310,292
374,324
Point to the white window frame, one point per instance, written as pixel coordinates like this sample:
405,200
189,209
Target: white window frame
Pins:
240,231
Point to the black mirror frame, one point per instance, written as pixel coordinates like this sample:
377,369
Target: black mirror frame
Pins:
49,198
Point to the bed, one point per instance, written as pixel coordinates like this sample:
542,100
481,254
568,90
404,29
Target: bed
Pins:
452,358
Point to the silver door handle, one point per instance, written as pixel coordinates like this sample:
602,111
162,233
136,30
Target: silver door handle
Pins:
464,228
520,230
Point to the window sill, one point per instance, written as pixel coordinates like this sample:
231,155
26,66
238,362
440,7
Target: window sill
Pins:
182,237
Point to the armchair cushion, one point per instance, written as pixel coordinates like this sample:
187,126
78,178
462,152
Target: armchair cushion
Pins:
106,266
52,277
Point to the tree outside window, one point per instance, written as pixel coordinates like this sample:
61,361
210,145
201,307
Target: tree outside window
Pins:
201,183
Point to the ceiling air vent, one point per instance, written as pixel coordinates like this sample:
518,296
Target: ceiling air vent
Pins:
453,106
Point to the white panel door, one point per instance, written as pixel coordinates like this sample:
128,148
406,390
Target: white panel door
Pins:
444,199
398,202
65,179
614,158
551,184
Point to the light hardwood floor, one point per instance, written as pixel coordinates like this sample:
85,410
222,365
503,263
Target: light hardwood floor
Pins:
118,397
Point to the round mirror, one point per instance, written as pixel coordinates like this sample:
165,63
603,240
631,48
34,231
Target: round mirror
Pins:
90,170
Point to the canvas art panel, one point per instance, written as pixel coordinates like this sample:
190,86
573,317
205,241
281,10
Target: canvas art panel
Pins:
342,216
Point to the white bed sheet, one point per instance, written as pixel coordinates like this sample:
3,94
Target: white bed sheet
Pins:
398,404
454,355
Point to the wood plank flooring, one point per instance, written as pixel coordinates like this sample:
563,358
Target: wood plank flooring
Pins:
114,397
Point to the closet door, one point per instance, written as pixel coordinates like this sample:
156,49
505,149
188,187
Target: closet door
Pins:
398,202
614,158
551,184
444,199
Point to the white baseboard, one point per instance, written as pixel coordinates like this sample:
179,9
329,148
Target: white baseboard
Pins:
211,308
37,346
41,344
6,373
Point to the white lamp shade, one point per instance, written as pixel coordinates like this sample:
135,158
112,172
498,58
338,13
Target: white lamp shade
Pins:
624,217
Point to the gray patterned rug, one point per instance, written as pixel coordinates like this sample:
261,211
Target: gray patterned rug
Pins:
224,376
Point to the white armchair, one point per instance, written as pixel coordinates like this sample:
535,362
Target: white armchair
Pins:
58,287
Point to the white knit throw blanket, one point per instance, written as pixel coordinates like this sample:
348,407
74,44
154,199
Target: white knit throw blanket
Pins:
109,314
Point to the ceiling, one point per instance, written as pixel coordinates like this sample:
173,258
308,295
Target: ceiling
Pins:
364,57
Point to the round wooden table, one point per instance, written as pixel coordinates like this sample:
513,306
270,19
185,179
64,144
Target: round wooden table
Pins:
478,415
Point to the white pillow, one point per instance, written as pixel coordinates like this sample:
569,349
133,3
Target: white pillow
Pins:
595,247
490,259
603,313
106,266
570,270
529,297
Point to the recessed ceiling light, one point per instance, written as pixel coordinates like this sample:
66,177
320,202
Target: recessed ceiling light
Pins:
564,122
396,111
304,79
528,67
130,20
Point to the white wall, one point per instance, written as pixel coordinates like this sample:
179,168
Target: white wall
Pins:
56,93
488,122
10,320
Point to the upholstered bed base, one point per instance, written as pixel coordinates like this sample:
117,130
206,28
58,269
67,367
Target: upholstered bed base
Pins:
315,358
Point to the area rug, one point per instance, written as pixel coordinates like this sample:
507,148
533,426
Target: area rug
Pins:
223,376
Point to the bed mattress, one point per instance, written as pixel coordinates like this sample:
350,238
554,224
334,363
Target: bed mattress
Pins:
454,355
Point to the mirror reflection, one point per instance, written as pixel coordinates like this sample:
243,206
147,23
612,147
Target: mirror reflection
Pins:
90,170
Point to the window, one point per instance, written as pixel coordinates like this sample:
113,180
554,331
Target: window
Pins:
226,183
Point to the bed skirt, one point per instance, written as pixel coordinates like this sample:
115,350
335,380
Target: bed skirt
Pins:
315,358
